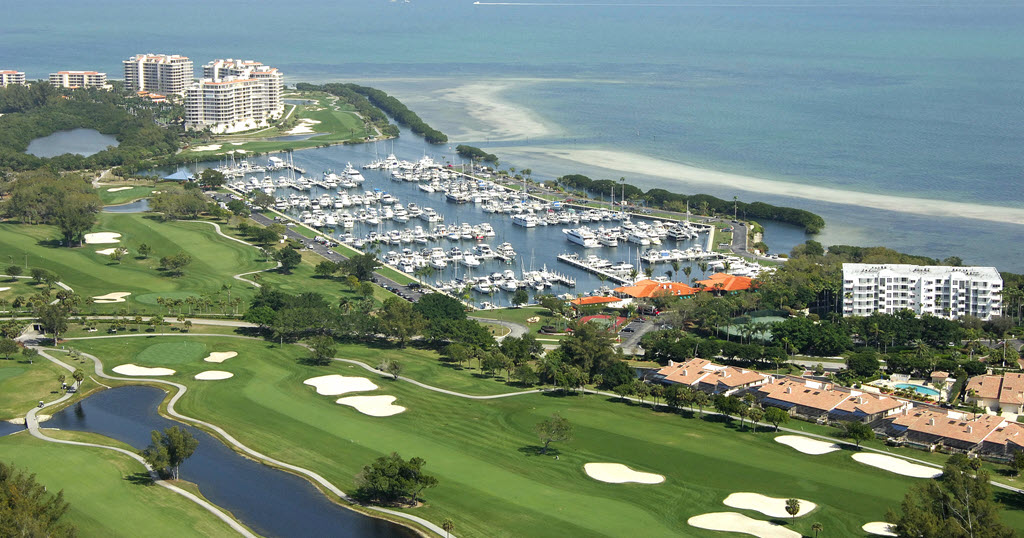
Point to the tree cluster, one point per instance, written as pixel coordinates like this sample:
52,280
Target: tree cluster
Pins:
176,205
391,480
475,153
169,449
26,509
42,197
401,113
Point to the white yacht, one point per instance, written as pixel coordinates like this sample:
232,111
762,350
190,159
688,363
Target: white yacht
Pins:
525,220
582,236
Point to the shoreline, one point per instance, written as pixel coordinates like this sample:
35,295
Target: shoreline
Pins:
497,119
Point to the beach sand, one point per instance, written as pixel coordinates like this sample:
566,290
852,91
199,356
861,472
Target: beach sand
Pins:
691,177
495,118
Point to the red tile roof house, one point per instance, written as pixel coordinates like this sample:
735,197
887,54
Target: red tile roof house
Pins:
1004,442
821,401
999,394
929,428
709,377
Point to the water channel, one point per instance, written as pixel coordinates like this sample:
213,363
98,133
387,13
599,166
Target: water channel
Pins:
271,502
83,142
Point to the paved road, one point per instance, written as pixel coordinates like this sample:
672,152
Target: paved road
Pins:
327,253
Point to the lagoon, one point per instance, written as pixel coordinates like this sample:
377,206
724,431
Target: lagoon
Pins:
271,502
84,142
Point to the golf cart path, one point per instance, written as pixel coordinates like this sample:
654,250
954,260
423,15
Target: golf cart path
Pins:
239,276
225,436
32,424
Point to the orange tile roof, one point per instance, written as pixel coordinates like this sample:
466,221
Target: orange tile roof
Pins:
726,282
582,301
732,377
1007,388
805,393
686,373
939,374
927,421
1012,433
652,288
869,404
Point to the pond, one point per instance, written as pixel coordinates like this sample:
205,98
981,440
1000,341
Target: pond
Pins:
138,206
271,502
83,142
6,428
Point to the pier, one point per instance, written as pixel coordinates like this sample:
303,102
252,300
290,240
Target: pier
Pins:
575,261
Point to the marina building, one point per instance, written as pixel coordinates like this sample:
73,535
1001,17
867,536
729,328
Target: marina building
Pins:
78,79
8,77
234,96
947,292
162,73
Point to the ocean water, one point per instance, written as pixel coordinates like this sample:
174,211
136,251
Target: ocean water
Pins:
835,106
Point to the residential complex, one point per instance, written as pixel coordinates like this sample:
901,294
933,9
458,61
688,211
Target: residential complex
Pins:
997,393
234,96
163,73
78,79
948,292
8,77
709,377
822,401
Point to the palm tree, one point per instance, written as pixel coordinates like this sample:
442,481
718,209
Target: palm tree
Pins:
700,399
686,271
78,377
793,507
448,525
817,527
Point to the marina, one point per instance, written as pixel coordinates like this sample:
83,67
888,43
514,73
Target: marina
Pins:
473,237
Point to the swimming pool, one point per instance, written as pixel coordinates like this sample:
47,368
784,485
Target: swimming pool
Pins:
920,390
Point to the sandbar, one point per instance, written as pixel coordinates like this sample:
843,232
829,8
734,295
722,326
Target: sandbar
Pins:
617,473
375,406
115,297
897,465
500,119
879,528
807,445
691,177
100,238
213,375
334,385
132,369
220,356
769,506
733,522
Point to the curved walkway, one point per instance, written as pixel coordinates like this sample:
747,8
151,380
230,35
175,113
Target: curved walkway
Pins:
438,389
516,330
229,439
239,276
32,423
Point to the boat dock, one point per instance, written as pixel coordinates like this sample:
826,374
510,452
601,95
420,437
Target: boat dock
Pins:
575,261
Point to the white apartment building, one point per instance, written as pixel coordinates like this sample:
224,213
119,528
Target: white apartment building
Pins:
78,79
947,292
234,96
161,73
8,77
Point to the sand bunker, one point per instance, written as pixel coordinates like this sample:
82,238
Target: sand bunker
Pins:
375,406
769,506
617,473
334,385
897,465
213,375
115,297
220,356
118,189
100,238
131,369
807,445
733,522
211,147
305,126
106,251
880,528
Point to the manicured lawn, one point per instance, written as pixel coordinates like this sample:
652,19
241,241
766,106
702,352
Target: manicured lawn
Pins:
20,287
520,315
491,480
22,385
137,190
105,497
303,279
214,260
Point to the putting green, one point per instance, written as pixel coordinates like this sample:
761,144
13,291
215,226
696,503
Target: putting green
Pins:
10,372
172,353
